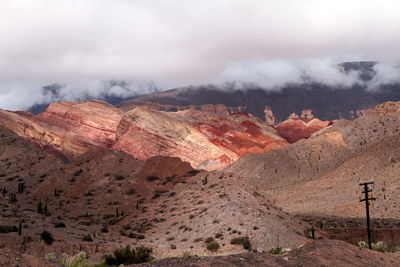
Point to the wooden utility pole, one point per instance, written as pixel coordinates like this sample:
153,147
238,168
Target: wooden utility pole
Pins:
366,188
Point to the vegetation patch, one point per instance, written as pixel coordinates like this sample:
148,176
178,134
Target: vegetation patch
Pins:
87,238
242,240
120,178
59,225
158,193
192,172
4,229
47,237
380,246
129,256
211,244
152,178
277,250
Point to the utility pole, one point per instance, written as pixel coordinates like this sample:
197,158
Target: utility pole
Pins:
367,188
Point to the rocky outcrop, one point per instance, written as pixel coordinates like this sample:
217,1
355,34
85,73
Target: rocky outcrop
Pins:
219,109
387,107
296,128
269,116
97,121
203,139
209,137
67,129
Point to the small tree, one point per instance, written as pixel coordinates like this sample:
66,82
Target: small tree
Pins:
47,237
87,238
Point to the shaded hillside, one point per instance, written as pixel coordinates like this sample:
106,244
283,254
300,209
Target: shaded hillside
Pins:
327,103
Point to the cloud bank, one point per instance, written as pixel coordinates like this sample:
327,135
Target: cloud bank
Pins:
176,43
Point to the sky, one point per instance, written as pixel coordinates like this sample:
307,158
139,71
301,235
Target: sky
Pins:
171,43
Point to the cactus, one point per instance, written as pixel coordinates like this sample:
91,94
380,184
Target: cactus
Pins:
39,207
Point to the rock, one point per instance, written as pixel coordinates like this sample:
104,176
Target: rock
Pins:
387,107
269,116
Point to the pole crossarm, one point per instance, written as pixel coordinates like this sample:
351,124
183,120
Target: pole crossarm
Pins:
371,198
366,183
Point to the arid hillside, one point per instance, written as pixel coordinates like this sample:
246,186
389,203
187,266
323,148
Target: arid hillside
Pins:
116,199
320,175
106,198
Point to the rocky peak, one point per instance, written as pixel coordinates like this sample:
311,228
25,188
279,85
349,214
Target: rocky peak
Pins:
269,116
293,116
296,128
307,114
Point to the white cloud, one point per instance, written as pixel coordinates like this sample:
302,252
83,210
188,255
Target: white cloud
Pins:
181,42
273,75
385,74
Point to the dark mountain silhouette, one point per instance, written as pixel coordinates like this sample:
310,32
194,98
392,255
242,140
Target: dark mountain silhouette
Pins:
327,102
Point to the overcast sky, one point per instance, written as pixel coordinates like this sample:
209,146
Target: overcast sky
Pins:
175,43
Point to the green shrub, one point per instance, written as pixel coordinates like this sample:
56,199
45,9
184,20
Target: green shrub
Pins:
59,225
78,260
242,240
77,173
152,178
131,192
8,229
47,237
187,254
120,178
104,229
129,256
192,172
277,250
212,245
209,239
49,256
380,246
87,238
137,236
158,193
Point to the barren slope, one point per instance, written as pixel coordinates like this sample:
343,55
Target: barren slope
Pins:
320,175
162,203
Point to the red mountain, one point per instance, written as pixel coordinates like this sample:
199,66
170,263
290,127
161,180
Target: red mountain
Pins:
296,128
208,138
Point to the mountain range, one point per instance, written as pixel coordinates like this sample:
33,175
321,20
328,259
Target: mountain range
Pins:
168,175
